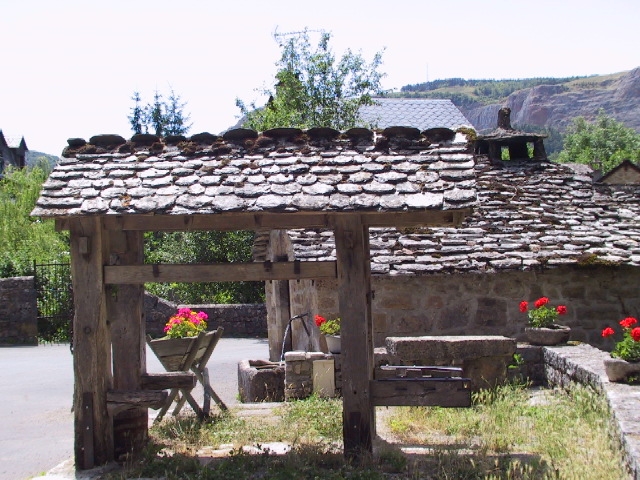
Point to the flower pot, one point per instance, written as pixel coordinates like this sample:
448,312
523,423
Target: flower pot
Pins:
618,370
333,343
547,336
172,352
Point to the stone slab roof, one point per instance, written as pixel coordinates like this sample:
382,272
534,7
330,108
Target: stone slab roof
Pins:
422,113
282,170
530,215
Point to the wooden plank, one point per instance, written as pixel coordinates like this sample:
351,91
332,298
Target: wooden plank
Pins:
270,220
125,311
415,392
87,428
217,272
91,343
123,399
168,380
354,297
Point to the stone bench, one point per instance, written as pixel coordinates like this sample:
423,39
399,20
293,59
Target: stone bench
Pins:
483,358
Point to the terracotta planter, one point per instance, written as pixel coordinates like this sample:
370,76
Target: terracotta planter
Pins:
547,336
333,343
618,370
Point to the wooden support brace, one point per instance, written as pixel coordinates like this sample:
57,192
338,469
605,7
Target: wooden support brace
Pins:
118,400
427,392
168,380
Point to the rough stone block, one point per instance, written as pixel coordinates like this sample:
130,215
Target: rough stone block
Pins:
449,347
260,381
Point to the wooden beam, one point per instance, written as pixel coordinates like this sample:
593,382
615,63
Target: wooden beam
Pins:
92,347
166,380
122,400
443,392
125,311
217,272
270,220
354,277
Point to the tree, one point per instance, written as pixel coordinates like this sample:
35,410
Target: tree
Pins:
137,117
313,88
175,120
203,247
602,145
23,238
162,117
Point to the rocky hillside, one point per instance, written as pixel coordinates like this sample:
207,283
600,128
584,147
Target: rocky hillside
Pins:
550,103
555,105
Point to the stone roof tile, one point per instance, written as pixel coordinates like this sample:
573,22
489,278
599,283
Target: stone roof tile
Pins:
529,216
283,172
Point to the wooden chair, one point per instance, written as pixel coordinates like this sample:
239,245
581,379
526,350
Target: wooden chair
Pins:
188,354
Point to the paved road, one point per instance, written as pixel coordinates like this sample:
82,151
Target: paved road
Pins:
36,422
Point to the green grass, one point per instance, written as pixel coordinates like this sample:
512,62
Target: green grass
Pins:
507,434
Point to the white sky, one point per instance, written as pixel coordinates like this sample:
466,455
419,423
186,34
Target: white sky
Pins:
69,67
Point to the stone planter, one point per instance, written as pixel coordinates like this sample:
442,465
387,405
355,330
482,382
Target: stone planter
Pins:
618,370
547,336
333,343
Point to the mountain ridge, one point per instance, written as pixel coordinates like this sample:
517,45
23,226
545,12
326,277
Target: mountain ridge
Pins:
551,104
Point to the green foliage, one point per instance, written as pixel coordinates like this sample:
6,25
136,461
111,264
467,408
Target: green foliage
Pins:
313,88
553,142
23,238
203,247
162,117
629,347
602,145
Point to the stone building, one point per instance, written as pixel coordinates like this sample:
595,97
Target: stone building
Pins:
538,229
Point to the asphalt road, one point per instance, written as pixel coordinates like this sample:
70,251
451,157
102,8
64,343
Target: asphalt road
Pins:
36,422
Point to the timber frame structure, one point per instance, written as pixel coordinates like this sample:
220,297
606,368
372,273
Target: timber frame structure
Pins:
109,191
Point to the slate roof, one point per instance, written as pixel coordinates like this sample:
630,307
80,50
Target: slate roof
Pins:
530,215
421,113
282,170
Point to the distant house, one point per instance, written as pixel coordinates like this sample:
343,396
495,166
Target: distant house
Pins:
420,113
13,151
626,173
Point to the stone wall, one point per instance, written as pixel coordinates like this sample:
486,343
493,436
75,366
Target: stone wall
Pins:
246,320
18,311
487,304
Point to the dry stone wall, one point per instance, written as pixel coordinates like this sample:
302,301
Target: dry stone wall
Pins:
487,304
238,320
18,311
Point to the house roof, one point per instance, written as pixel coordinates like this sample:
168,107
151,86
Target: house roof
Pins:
421,113
624,173
13,141
281,170
530,215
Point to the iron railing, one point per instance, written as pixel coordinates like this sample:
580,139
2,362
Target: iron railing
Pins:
54,295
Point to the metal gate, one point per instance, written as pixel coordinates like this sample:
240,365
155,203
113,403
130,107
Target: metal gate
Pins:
54,301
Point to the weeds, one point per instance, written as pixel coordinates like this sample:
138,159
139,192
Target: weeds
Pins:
511,432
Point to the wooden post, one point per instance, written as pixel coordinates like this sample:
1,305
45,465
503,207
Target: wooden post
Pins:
354,291
125,312
280,294
93,432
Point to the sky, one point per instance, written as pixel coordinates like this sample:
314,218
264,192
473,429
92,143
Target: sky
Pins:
69,68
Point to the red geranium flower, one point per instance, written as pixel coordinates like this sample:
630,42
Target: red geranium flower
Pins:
524,306
561,309
635,334
628,322
541,302
607,332
319,320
